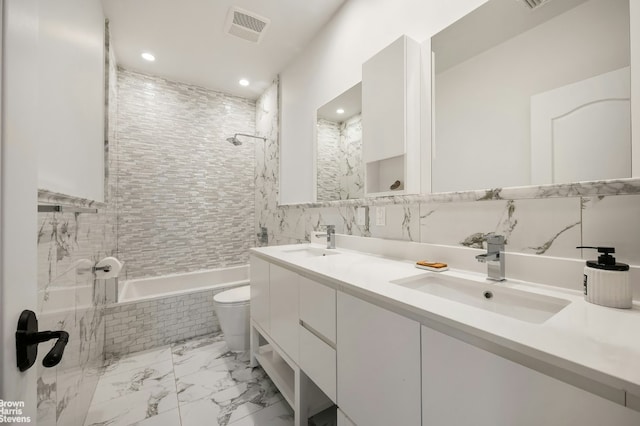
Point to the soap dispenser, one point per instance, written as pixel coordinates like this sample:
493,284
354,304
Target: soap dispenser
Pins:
605,281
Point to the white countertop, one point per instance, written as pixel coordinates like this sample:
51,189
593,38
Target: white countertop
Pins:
599,344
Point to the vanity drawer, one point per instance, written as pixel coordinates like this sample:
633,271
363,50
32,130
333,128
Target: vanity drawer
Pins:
318,361
318,308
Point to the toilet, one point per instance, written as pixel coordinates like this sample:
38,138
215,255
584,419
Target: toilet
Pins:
232,308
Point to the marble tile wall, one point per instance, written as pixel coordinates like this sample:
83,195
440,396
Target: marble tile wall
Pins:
544,221
267,156
185,195
339,159
351,177
328,151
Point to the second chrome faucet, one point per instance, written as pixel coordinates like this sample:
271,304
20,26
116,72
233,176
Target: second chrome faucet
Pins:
494,257
331,236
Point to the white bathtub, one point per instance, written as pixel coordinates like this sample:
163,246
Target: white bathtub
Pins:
153,312
170,285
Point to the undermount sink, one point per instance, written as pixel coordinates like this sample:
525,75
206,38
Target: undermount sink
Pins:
305,252
522,305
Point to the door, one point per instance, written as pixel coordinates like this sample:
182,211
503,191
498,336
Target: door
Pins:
18,191
582,131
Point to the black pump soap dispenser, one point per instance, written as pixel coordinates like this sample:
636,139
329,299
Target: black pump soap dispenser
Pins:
605,281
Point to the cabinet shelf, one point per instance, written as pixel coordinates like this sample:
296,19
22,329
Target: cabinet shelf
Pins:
279,371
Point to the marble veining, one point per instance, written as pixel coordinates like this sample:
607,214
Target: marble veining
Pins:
544,247
193,383
340,168
610,187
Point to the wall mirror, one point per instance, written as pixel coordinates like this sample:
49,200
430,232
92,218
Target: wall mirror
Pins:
339,166
530,96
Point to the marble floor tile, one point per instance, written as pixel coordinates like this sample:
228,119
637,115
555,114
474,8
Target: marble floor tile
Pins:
279,414
192,361
230,390
192,383
186,347
140,379
168,418
134,407
138,360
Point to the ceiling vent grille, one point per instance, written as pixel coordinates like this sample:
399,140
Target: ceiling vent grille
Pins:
246,25
532,4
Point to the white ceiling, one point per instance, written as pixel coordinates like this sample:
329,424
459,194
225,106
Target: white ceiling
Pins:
188,39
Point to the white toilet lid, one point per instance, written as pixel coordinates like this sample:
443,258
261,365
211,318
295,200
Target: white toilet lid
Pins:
235,295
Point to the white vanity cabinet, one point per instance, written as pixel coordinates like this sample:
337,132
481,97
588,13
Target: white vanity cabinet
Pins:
391,119
259,284
318,335
464,385
281,345
283,308
378,354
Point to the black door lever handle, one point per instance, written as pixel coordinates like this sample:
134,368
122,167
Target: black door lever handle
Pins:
28,337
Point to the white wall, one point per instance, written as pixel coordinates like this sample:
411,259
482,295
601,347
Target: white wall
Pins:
332,63
483,104
71,106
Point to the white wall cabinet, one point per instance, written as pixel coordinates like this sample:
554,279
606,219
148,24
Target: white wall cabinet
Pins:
71,105
391,118
378,359
464,385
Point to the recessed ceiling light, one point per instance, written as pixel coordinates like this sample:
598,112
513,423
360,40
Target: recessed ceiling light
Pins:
340,111
148,57
243,82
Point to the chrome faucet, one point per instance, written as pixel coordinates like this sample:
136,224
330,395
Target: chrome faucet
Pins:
494,257
331,236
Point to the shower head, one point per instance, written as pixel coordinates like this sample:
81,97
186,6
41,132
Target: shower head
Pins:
234,140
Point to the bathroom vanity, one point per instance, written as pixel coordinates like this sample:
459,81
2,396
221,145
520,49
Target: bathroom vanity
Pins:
392,344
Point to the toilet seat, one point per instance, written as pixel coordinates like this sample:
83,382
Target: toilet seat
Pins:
235,296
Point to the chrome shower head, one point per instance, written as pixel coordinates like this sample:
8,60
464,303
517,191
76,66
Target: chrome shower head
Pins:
234,140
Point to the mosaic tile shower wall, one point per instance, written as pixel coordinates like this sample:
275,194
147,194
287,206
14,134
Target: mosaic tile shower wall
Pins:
185,194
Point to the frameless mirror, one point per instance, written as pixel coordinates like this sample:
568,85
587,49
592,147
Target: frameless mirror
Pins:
529,96
339,166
